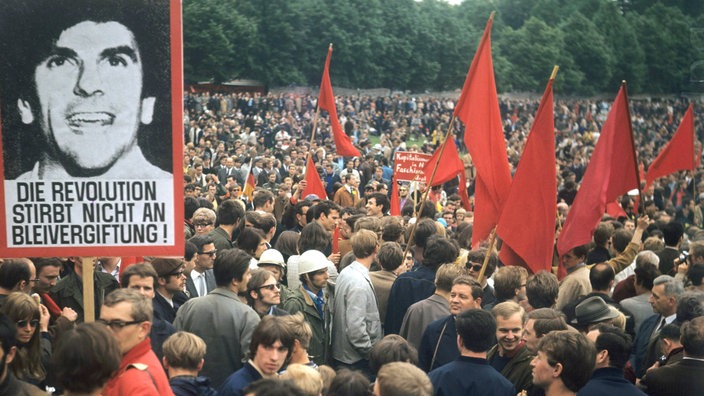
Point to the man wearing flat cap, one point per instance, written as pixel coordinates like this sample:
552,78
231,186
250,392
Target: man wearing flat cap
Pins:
171,281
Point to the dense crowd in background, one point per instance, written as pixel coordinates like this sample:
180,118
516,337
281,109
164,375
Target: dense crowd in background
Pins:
285,293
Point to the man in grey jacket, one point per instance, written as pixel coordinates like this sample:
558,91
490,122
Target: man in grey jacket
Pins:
356,322
221,319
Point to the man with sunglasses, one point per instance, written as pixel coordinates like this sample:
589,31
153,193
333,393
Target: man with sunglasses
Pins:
201,279
170,281
264,293
128,314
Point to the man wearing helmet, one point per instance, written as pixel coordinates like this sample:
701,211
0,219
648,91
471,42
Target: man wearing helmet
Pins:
311,299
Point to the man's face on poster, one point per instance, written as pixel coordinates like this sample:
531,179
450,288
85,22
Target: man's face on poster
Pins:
90,93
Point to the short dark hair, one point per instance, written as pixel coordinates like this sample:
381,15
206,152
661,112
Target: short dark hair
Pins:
229,212
313,237
12,272
438,251
190,205
507,280
190,250
672,232
477,290
381,199
424,230
261,197
143,270
574,352
580,251
616,342
600,276
546,320
542,289
249,239
479,255
41,262
391,348
200,241
86,357
621,238
695,274
477,329
693,337
390,256
349,383
230,264
325,206
269,330
646,273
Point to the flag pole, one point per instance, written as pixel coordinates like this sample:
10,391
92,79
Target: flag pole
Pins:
633,146
492,241
429,185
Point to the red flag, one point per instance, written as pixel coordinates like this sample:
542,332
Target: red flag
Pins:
478,108
527,221
678,154
611,173
462,191
326,101
395,209
615,210
450,163
314,184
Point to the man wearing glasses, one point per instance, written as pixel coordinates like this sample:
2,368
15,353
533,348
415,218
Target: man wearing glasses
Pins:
170,281
128,314
264,293
201,280
16,275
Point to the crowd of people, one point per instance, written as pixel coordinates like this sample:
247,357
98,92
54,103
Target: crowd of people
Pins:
284,293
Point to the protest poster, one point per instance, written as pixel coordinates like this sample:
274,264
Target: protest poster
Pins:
91,118
408,166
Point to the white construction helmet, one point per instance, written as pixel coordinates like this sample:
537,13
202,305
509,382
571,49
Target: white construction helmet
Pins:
272,257
311,261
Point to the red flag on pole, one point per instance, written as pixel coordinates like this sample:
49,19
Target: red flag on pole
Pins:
395,209
611,173
451,163
527,221
678,154
313,183
326,101
478,108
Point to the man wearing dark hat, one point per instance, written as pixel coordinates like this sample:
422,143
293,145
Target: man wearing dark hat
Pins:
171,281
591,311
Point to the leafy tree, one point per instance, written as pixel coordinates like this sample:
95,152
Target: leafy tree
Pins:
590,52
218,41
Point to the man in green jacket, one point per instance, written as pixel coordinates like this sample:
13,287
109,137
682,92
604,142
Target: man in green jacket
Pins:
311,299
510,356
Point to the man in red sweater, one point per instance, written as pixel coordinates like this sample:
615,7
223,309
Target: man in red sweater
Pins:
128,314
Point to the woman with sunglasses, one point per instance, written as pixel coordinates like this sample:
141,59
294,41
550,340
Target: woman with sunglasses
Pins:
33,340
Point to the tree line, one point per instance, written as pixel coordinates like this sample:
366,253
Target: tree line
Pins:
657,46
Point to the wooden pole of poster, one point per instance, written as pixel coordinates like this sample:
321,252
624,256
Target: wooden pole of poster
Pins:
88,289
